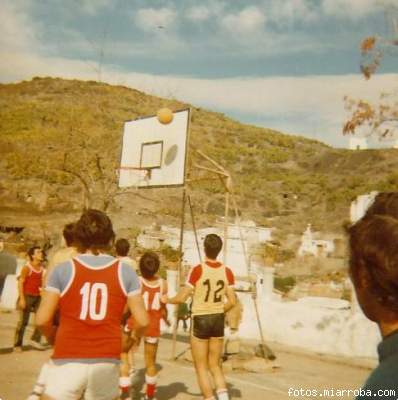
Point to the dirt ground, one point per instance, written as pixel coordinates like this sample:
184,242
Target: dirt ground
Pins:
298,370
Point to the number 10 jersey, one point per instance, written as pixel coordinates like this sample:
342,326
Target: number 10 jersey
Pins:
91,309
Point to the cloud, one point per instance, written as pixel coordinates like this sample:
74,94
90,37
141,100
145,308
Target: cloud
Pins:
248,21
149,19
17,30
351,9
288,11
92,7
198,13
311,105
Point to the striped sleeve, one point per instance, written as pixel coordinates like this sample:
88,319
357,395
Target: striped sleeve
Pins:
230,276
130,281
59,277
194,275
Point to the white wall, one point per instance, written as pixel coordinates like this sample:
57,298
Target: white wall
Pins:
358,143
321,325
360,205
9,294
317,328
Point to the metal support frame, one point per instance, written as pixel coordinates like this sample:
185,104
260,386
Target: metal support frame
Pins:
226,180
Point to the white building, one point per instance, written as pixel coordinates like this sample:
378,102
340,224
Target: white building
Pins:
358,143
314,247
360,205
317,324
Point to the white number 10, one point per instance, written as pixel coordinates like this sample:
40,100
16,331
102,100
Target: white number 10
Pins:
89,301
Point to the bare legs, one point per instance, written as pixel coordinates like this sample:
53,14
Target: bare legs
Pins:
206,355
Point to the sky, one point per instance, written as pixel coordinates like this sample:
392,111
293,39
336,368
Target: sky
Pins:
282,64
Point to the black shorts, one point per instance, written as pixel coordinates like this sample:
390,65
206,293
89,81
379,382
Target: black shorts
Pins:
208,326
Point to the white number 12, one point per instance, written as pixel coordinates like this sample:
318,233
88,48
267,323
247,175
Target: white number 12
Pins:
89,301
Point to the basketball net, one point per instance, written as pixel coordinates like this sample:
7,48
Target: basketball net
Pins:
138,177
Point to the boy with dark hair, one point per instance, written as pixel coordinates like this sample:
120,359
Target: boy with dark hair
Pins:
122,248
66,252
210,284
152,289
29,286
91,291
373,269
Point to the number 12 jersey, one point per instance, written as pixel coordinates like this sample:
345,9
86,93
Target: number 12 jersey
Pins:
210,281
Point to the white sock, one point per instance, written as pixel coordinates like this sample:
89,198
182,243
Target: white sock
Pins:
34,397
42,379
151,379
124,381
222,394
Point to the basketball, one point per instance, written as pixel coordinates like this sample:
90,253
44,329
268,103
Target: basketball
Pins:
165,116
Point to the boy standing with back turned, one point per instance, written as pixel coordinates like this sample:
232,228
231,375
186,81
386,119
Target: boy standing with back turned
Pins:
210,284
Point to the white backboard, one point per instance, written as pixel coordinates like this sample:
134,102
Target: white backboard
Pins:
154,154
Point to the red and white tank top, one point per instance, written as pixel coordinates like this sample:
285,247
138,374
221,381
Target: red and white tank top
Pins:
91,308
33,281
151,292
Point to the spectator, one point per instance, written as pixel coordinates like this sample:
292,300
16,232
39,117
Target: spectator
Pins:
29,286
374,273
122,248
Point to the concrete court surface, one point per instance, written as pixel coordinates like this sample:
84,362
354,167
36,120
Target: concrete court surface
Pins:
298,370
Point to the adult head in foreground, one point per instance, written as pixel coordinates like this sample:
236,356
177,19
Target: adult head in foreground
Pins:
374,273
91,291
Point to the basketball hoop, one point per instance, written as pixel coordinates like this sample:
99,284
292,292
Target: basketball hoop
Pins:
154,154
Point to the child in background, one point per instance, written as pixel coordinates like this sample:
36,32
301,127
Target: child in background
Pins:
122,248
30,283
152,289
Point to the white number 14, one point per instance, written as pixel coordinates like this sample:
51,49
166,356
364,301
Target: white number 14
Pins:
89,301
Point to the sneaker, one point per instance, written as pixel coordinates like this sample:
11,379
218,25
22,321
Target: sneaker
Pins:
34,396
37,345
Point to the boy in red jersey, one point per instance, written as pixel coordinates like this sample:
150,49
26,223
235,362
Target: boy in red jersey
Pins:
29,287
152,289
210,284
63,254
91,291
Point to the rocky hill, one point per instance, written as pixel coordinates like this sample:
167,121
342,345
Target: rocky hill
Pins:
60,143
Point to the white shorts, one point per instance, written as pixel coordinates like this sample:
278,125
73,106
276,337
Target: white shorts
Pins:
73,381
151,339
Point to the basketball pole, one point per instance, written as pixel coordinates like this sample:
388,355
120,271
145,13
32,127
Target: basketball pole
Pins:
254,295
226,180
179,272
194,228
174,344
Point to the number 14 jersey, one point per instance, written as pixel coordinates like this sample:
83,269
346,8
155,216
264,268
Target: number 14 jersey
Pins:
210,281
